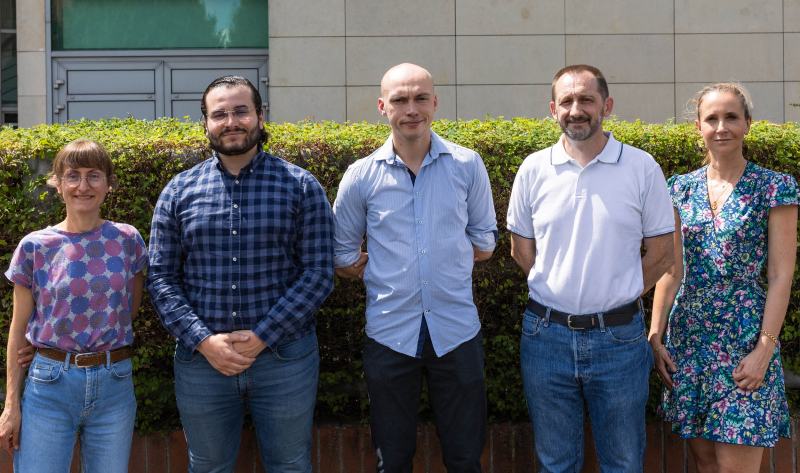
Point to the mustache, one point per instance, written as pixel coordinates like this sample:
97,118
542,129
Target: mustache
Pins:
236,128
581,119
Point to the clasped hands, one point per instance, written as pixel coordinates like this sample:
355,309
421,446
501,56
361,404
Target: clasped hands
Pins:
748,374
231,353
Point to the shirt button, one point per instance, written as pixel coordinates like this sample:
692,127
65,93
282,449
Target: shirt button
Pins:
424,282
427,311
233,287
234,232
233,314
420,222
417,193
236,181
234,258
251,171
423,252
235,206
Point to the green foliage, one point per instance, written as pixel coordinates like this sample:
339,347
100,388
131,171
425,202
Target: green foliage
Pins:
148,154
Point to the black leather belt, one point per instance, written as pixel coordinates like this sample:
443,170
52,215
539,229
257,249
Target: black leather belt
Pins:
622,316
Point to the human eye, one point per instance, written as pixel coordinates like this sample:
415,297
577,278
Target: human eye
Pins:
96,176
218,115
71,176
241,112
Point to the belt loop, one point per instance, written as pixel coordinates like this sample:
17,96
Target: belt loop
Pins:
108,360
602,324
66,362
547,317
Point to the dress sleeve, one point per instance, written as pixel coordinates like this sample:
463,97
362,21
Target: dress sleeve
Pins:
783,190
21,269
673,185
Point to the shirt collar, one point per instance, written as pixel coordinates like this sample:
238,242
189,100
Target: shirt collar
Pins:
438,147
610,154
252,164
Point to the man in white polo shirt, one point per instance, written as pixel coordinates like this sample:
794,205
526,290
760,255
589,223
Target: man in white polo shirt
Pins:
579,213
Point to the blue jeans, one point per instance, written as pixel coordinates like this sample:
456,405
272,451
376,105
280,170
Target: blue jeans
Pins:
607,368
279,388
61,400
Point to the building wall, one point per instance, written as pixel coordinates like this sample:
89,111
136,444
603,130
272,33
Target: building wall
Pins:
497,57
31,63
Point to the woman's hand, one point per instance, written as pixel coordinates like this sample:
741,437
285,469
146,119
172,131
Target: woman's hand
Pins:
26,356
664,364
10,422
749,374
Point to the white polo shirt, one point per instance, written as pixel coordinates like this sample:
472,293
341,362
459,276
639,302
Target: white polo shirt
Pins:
588,224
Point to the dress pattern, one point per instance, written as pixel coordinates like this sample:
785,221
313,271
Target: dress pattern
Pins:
82,284
716,318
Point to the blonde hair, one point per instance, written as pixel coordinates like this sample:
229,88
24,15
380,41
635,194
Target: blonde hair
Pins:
733,88
82,153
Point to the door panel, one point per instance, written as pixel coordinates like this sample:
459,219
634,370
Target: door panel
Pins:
140,110
111,82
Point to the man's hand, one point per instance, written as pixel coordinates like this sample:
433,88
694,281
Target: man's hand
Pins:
252,347
480,255
218,350
10,422
356,270
26,356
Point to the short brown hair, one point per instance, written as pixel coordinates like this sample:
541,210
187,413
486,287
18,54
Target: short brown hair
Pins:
82,153
602,85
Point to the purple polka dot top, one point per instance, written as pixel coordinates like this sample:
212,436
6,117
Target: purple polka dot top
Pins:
82,284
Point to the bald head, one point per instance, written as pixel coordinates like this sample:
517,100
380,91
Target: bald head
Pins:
404,74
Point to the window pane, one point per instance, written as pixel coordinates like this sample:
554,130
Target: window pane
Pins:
8,74
159,24
8,14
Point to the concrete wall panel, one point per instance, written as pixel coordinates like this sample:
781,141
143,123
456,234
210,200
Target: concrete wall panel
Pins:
477,101
791,57
768,102
526,17
369,58
293,104
32,110
400,17
651,103
721,57
726,16
307,62
306,18
791,95
618,17
508,59
30,25
791,16
625,58
31,67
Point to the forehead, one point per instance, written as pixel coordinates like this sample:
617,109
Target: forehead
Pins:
720,101
229,97
409,84
582,83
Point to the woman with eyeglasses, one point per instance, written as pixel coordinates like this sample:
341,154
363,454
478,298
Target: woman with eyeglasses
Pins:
77,286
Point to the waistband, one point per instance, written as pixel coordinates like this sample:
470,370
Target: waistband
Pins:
85,360
619,316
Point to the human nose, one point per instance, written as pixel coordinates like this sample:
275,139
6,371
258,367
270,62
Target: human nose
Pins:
83,184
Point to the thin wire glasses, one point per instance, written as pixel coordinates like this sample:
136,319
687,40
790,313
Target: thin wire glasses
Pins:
73,179
241,113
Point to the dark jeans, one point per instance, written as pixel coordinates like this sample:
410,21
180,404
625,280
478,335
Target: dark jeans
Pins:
457,391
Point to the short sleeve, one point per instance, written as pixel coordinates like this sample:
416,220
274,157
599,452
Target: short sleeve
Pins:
519,219
142,260
22,263
783,190
673,186
657,215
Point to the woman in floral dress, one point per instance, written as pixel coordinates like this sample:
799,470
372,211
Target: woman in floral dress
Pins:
720,361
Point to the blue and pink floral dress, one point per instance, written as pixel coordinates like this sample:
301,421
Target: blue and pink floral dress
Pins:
716,318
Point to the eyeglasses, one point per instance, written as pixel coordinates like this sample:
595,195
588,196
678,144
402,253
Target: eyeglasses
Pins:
73,179
240,113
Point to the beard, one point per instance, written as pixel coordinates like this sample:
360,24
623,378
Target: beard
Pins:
582,134
243,145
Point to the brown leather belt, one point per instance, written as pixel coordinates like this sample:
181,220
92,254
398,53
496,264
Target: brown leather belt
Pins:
85,360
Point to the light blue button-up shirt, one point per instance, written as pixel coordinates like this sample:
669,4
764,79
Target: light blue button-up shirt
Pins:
419,240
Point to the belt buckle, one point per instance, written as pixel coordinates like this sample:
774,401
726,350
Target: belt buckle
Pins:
569,323
78,357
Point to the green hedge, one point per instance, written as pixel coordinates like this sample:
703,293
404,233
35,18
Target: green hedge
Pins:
148,154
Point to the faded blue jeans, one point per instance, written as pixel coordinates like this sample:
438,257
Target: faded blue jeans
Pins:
279,388
61,400
607,368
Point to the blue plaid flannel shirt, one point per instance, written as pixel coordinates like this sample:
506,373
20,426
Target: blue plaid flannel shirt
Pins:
247,252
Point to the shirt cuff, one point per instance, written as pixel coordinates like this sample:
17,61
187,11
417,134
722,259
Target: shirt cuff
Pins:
191,339
346,259
484,241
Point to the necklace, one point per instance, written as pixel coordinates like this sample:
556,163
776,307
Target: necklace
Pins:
722,192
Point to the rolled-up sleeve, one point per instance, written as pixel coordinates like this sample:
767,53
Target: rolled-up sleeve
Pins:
165,275
482,221
349,220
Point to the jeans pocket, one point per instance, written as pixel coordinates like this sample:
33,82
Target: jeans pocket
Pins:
122,369
627,333
296,349
531,324
45,373
183,357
